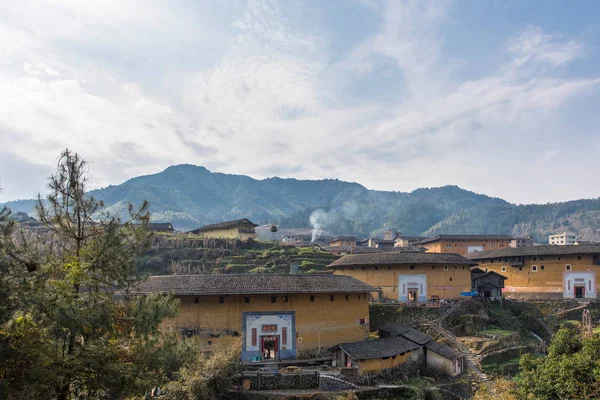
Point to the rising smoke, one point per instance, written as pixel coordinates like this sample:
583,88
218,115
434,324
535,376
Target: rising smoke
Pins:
318,219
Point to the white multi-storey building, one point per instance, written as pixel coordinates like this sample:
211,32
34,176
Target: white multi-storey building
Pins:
563,239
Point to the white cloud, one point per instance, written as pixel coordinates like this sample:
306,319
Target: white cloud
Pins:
247,88
534,45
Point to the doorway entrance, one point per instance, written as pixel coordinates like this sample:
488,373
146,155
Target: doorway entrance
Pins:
413,295
579,291
269,347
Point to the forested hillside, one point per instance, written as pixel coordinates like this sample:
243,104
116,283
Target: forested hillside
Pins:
190,196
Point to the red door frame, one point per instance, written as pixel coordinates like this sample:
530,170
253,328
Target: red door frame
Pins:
575,291
262,344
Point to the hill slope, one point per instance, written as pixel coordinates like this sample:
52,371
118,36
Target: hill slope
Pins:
190,196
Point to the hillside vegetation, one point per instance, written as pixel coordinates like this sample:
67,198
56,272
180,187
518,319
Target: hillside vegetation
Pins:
190,196
168,255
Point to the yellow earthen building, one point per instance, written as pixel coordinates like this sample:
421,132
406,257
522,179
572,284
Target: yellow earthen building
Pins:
275,315
409,276
549,271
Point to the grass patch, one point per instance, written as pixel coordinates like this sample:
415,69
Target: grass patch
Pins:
498,333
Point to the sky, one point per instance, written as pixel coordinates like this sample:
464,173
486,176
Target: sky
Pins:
500,97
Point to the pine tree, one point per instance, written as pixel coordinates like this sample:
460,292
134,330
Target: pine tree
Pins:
77,333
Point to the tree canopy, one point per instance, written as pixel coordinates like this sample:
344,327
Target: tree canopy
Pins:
69,329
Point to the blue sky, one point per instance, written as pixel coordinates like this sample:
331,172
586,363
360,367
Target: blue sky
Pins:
500,97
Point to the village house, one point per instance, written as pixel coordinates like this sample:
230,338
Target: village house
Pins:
563,239
488,284
407,241
242,229
463,244
373,356
548,271
161,227
342,241
275,315
438,356
522,242
409,276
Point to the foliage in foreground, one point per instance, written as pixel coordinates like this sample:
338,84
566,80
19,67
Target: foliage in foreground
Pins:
208,377
68,328
571,370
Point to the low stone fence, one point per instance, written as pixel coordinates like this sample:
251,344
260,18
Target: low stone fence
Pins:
276,381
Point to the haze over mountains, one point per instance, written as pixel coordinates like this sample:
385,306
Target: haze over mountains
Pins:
190,196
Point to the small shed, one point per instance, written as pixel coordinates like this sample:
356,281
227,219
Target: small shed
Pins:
437,355
488,284
375,355
444,358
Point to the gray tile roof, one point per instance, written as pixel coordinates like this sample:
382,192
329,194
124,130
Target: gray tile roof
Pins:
251,284
443,350
365,249
465,237
335,238
547,250
395,257
418,337
407,332
226,224
379,348
160,226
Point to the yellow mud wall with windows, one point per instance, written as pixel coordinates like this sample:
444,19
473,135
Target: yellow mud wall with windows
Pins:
546,277
322,322
444,280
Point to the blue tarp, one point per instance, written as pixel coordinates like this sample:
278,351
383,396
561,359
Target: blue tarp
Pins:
469,294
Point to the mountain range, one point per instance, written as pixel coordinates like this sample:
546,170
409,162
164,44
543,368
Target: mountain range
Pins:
190,196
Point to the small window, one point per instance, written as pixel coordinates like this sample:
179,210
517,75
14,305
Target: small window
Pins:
450,280
364,296
559,258
412,267
389,267
541,258
221,299
534,268
363,268
331,297
196,300
351,268
542,267
520,268
376,268
346,297
312,298
568,267
247,300
579,257
455,267
503,269
273,299
433,267
534,258
286,299
363,321
445,268
359,296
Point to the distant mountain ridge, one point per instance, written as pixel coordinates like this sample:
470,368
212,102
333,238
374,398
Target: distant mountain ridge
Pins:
190,196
